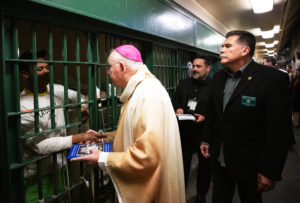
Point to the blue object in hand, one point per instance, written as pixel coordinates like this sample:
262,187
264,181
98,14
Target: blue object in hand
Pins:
107,147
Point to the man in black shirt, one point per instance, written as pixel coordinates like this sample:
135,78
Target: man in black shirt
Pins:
249,127
191,97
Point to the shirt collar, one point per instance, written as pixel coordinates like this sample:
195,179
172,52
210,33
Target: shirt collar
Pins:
239,72
134,81
27,91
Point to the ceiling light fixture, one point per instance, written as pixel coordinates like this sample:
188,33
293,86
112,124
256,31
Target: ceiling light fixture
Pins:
270,33
260,6
272,44
269,45
267,34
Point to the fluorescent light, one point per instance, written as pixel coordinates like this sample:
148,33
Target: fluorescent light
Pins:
255,31
269,45
267,34
272,44
261,6
276,28
270,33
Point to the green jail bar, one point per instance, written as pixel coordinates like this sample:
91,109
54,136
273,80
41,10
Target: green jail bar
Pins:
167,61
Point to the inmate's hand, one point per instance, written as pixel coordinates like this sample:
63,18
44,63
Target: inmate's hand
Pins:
86,137
179,111
205,150
91,159
84,114
199,118
264,184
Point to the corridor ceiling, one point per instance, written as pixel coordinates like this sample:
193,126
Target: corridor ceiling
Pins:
229,15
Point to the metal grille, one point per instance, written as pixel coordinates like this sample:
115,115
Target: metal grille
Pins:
72,62
77,59
170,66
165,65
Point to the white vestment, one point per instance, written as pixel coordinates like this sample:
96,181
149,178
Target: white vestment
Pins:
146,165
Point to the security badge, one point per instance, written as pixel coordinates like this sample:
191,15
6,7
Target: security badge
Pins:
248,101
192,103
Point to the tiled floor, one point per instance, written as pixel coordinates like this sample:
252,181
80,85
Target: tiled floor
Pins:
286,191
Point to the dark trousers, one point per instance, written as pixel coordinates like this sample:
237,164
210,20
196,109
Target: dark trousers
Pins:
189,146
224,187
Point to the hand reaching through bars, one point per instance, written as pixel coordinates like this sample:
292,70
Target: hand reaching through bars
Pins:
89,136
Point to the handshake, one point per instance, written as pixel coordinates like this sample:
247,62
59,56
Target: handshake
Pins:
93,154
88,137
87,142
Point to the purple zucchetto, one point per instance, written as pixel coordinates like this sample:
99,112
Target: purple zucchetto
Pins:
130,52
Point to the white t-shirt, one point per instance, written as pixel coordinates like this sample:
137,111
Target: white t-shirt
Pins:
49,142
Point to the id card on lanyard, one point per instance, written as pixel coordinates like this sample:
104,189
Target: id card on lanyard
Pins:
192,103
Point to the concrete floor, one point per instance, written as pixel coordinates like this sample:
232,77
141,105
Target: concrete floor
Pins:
286,191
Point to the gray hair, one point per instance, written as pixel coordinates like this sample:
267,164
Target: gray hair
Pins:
132,64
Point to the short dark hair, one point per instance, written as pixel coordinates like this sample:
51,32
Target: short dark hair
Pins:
288,65
270,59
244,37
24,66
206,60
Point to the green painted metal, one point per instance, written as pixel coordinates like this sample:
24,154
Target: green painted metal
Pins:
51,85
78,79
155,17
207,39
65,59
147,55
90,82
8,105
166,67
4,172
35,79
91,48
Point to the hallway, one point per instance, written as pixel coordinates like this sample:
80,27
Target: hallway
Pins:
286,191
